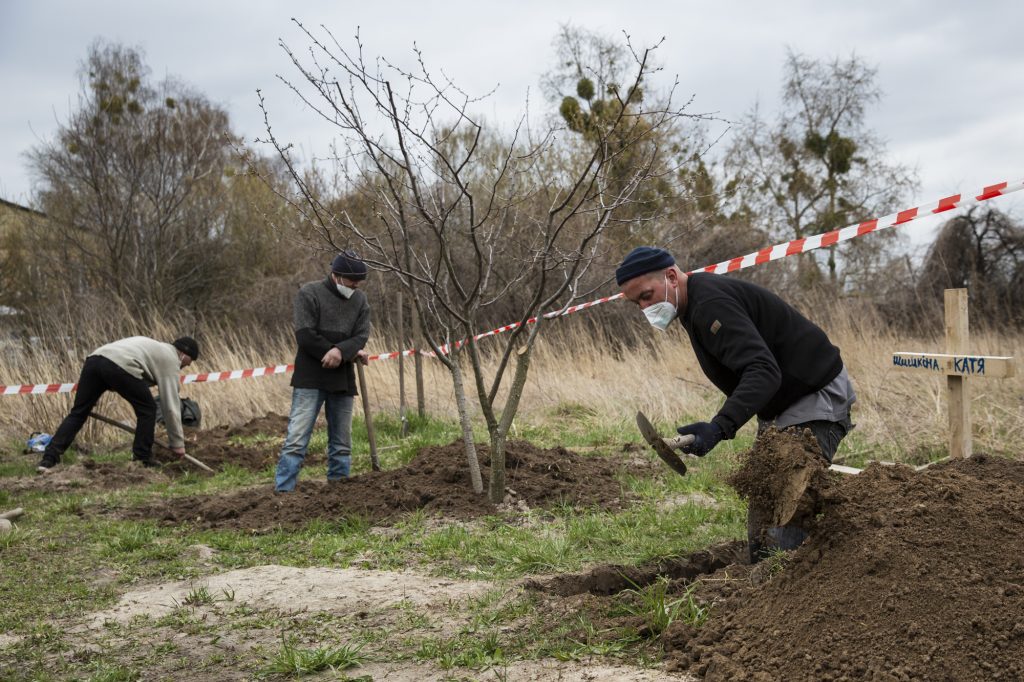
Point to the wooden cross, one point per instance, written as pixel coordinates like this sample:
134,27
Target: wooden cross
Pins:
957,365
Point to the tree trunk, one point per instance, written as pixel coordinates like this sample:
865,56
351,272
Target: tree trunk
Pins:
467,425
496,488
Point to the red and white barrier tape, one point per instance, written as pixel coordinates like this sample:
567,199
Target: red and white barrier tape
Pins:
770,253
796,246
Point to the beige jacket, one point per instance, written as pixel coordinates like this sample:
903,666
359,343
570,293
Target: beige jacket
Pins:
157,364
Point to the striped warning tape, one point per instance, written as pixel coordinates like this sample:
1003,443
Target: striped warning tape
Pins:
765,255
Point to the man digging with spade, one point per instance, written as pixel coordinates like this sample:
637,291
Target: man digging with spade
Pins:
129,367
767,358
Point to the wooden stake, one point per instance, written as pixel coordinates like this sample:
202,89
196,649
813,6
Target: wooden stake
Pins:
374,462
417,334
401,366
958,343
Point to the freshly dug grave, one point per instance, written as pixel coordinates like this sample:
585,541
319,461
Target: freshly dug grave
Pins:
907,575
436,480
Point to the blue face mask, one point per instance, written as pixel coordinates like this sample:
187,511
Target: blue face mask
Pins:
661,314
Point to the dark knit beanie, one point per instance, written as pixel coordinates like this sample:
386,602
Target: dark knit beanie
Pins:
188,346
640,261
347,264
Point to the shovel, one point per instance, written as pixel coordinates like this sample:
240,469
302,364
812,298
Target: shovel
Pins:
665,447
122,425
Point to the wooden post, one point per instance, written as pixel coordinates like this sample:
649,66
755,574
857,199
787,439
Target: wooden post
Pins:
957,365
401,366
958,343
374,462
417,335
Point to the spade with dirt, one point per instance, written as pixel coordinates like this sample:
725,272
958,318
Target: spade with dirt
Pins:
125,427
665,447
783,477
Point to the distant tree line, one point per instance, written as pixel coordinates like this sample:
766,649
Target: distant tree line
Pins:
154,207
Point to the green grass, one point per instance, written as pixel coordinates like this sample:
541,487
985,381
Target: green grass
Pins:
653,603
293,661
69,556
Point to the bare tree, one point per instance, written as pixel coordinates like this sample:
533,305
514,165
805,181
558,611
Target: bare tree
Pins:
133,187
464,217
982,250
818,167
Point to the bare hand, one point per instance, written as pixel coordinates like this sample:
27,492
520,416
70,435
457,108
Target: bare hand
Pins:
363,357
331,359
180,452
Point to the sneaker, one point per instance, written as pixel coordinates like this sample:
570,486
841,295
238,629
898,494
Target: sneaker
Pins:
46,465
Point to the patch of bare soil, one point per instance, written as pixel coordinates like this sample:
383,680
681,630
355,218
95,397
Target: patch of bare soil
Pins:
291,590
436,481
253,446
364,600
545,670
86,475
906,575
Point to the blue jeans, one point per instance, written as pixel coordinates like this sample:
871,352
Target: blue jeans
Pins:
306,404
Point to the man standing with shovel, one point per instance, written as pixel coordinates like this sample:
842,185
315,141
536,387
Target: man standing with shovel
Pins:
332,325
129,367
767,358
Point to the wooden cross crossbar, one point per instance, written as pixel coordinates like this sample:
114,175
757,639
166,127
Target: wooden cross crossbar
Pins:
991,366
957,364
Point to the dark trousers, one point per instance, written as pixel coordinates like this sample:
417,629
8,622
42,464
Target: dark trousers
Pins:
761,538
100,375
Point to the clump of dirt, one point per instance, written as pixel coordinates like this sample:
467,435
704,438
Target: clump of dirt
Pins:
436,481
907,575
783,478
611,579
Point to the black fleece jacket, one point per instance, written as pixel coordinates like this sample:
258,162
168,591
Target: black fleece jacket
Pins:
755,347
325,319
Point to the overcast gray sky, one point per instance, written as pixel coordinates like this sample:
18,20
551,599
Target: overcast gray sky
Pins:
952,72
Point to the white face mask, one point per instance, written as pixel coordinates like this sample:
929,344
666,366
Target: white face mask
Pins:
344,290
661,314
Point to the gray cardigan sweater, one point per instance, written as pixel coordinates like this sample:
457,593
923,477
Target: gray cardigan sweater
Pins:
325,319
157,364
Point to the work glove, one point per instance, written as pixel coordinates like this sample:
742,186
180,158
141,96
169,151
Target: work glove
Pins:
706,437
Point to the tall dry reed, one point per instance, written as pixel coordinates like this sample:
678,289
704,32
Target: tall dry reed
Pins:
901,414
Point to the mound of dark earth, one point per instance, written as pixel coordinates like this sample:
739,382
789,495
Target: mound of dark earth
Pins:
436,481
906,575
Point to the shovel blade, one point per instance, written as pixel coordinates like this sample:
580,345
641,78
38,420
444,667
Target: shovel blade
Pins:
668,456
789,497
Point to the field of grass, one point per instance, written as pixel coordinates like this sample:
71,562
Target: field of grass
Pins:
70,557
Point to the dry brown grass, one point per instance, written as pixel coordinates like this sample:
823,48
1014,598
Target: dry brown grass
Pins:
899,414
